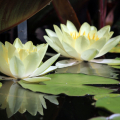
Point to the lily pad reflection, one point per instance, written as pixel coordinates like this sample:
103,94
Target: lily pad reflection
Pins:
14,98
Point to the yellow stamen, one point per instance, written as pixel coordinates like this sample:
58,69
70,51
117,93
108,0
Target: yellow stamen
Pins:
75,35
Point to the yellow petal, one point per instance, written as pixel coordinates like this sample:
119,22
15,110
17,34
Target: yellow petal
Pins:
11,49
57,42
93,28
55,47
71,51
109,45
17,67
31,62
68,39
81,44
42,52
23,54
85,27
28,46
36,79
45,65
99,44
71,26
89,54
103,31
51,68
50,33
58,32
108,35
40,46
4,67
64,28
17,43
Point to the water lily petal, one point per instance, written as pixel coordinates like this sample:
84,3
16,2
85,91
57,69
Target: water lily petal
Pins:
36,79
17,67
85,27
23,54
98,44
103,31
45,65
89,54
109,45
11,49
40,46
71,51
55,47
51,68
107,61
57,42
31,62
42,52
64,28
93,28
70,26
81,44
68,39
1,44
4,67
50,33
17,43
28,46
108,35
66,63
58,32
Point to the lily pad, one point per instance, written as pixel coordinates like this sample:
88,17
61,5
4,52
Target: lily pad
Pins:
110,103
96,97
71,84
0,84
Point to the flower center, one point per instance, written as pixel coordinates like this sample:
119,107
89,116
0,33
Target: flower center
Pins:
90,35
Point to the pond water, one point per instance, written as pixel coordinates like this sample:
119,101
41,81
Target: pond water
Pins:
18,103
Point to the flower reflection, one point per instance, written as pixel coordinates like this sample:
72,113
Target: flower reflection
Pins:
14,98
90,69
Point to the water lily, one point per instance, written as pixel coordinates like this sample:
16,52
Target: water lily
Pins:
24,61
85,44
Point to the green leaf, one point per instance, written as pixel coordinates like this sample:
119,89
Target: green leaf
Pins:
71,84
96,97
0,84
66,14
13,12
110,103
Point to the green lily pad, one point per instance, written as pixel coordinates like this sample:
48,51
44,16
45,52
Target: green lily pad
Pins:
96,97
0,84
71,84
110,103
112,117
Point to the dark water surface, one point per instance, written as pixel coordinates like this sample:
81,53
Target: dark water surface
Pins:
17,103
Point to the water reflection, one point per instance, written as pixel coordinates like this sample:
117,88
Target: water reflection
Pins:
90,69
14,98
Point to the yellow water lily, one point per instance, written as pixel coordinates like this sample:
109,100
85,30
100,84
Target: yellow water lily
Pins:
85,44
24,61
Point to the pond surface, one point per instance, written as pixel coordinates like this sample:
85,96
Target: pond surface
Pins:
18,103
